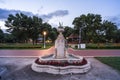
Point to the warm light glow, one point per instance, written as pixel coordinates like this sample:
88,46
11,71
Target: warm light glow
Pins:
66,37
44,33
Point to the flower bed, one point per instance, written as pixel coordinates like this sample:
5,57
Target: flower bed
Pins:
61,63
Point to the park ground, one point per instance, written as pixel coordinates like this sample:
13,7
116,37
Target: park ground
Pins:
18,64
19,68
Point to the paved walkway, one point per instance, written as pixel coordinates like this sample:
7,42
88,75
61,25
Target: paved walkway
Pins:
20,69
95,53
35,53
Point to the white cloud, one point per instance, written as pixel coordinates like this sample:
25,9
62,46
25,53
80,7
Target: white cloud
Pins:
57,13
2,25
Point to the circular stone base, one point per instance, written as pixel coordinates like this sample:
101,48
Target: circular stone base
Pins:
61,69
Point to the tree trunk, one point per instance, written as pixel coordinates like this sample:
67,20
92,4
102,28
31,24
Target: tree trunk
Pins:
33,41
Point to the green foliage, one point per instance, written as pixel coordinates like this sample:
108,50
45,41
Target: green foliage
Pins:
9,38
53,35
90,25
117,36
94,30
23,27
109,29
51,32
111,61
23,46
103,46
1,35
67,31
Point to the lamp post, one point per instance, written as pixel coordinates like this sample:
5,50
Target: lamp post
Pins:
79,37
44,33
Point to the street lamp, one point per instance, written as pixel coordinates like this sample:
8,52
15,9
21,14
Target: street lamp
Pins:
44,33
80,36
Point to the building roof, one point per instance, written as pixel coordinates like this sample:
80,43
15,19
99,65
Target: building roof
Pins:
73,36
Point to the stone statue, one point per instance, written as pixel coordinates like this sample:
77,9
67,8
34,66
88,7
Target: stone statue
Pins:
60,50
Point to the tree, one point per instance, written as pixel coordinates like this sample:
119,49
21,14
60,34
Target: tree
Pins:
97,28
110,30
53,34
117,38
90,25
23,27
35,28
17,26
9,38
1,36
67,31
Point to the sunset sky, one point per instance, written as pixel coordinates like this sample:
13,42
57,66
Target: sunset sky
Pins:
55,11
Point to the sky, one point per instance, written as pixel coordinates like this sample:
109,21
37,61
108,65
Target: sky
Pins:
64,11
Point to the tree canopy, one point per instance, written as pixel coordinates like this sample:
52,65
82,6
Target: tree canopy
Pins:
22,28
94,29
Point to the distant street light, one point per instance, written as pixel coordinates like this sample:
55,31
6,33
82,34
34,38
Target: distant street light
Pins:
44,33
80,36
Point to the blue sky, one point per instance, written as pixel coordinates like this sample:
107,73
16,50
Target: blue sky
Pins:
55,11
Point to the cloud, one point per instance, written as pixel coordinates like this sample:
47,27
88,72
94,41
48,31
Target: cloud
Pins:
115,19
4,13
58,13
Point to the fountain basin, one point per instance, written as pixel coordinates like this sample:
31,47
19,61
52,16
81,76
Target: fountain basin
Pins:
71,64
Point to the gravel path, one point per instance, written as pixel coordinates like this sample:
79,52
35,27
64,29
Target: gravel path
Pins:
19,68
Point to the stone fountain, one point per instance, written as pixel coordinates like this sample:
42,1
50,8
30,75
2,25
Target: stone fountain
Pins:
61,62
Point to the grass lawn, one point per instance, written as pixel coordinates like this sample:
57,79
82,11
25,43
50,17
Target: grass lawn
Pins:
111,61
103,46
99,46
23,46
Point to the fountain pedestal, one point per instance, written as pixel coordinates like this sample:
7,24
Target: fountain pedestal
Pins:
61,62
60,50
